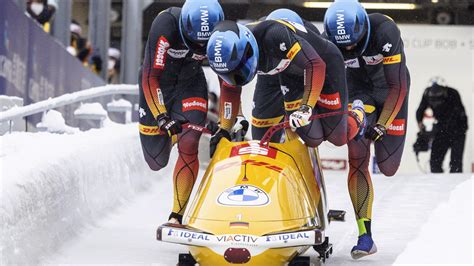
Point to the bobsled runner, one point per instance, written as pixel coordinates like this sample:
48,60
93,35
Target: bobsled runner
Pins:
258,203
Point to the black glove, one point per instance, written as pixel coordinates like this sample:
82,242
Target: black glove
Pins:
216,138
376,132
170,126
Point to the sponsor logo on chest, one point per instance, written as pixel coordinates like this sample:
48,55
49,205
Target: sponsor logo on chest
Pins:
198,57
177,53
352,63
373,59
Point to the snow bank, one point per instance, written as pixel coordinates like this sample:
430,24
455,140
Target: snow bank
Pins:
446,237
53,122
91,109
54,184
121,103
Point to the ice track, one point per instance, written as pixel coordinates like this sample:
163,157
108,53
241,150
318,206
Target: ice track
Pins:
403,208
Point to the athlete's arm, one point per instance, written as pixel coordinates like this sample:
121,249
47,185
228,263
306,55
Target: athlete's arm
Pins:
394,65
314,72
283,43
229,105
159,40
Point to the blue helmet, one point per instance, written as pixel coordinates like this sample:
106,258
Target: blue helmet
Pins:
285,14
233,53
346,23
197,21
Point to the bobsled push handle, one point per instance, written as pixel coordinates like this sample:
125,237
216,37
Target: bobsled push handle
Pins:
273,129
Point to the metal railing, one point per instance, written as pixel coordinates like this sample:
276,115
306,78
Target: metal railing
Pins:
70,98
66,99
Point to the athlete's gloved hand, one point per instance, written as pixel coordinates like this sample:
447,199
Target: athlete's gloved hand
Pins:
376,132
241,124
300,118
221,133
170,126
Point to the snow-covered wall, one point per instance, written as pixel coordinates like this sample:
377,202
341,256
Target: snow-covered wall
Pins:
51,185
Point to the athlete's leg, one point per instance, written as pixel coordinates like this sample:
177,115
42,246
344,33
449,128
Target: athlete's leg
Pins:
439,148
362,193
267,107
359,180
334,98
457,150
389,150
191,105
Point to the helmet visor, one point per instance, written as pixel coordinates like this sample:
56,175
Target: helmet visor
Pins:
244,71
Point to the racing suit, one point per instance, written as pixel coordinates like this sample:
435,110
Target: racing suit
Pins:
380,78
172,82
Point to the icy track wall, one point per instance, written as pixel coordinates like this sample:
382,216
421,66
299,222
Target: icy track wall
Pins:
53,184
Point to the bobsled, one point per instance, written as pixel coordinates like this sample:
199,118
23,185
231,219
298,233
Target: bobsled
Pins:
258,203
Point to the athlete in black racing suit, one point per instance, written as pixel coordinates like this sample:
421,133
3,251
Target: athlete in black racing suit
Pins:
173,91
377,74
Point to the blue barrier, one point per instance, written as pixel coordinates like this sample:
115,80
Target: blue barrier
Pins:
33,65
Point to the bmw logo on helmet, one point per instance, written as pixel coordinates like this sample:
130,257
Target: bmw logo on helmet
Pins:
197,21
233,53
346,23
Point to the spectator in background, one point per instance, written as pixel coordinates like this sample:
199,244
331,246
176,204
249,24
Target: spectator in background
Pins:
42,11
113,66
82,49
450,130
79,46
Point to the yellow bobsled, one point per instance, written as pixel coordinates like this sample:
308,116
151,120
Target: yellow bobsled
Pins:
256,205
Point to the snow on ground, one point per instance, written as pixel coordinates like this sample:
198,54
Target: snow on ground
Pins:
101,205
446,237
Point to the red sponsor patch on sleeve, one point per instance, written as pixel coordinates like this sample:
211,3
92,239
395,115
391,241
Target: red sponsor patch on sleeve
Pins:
160,54
195,103
330,101
397,128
